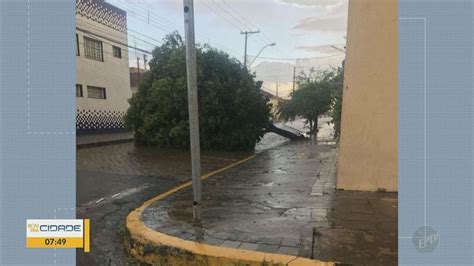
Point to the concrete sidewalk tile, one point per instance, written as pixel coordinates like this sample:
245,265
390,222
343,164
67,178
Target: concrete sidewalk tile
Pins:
222,235
233,237
275,213
289,242
317,192
329,184
172,231
213,241
270,240
320,218
231,244
288,250
249,246
267,248
321,224
185,235
319,212
248,238
319,215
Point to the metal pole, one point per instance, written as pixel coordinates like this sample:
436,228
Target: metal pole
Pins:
263,48
245,51
144,61
294,78
277,89
193,106
138,65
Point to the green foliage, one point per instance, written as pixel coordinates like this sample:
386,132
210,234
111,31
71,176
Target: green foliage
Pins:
336,108
312,98
318,92
233,112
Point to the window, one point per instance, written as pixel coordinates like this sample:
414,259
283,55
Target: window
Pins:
77,45
96,92
79,92
117,51
93,49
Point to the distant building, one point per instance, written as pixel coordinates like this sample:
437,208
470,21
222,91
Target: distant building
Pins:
103,79
275,101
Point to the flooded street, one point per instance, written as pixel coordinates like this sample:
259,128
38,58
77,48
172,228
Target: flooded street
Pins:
113,180
271,140
137,160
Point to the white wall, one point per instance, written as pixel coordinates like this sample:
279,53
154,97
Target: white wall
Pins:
102,21
368,154
112,73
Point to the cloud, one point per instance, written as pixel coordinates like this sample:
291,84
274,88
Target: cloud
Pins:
322,49
322,24
312,3
333,20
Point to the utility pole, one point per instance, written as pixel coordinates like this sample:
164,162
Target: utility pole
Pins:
276,89
294,78
138,65
191,74
144,61
245,51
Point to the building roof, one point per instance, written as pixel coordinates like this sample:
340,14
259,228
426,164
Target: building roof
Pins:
270,95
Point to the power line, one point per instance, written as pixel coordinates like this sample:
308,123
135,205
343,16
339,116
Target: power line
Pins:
301,58
118,36
220,15
164,24
246,20
162,20
236,12
231,15
115,41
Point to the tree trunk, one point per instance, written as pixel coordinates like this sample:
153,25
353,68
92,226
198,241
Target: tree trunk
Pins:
316,126
315,131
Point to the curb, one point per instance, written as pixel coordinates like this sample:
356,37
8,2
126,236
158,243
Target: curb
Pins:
102,143
156,248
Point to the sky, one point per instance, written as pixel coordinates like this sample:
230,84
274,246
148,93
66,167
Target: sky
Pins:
299,28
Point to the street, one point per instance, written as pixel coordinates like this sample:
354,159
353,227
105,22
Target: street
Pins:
113,180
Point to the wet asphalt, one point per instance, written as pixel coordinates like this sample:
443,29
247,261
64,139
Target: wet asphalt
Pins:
107,213
113,180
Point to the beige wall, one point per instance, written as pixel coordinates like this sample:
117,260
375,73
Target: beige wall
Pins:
368,149
102,21
112,74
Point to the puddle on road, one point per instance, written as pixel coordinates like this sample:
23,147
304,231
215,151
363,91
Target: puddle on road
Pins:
269,184
137,160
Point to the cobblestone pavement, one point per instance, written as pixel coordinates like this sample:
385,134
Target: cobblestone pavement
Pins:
113,180
284,201
265,205
363,231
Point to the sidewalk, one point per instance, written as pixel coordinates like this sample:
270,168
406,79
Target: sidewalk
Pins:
95,140
284,202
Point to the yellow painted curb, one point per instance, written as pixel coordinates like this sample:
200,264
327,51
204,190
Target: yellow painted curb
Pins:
170,250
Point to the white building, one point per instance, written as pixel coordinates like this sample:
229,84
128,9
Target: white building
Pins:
103,79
